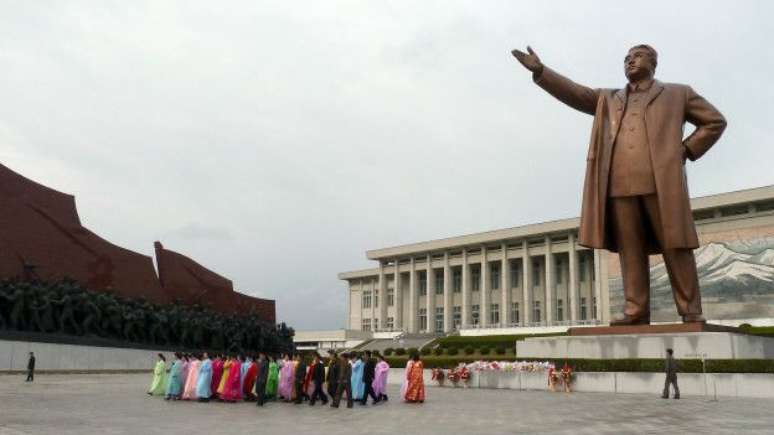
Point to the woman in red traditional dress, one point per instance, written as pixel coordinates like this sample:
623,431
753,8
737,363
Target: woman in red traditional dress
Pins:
415,383
231,389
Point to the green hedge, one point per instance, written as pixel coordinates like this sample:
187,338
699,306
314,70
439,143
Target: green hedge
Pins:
612,365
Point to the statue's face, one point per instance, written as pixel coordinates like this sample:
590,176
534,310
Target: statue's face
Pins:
638,64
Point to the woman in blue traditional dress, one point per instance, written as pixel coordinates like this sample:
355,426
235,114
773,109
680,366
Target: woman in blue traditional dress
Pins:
175,381
358,387
204,380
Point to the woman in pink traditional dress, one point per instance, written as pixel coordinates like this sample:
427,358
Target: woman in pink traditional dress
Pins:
380,378
189,392
217,372
286,379
415,382
184,371
231,390
404,385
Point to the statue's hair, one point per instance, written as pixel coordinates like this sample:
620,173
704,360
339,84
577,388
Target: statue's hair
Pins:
651,52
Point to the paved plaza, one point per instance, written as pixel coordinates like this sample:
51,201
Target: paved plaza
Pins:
117,404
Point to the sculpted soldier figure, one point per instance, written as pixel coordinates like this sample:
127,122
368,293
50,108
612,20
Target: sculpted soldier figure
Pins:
635,198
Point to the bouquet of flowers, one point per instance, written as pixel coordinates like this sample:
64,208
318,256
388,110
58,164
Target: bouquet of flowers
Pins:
454,376
566,377
464,374
439,376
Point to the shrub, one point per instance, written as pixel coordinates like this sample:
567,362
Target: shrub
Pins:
469,350
426,351
389,351
412,350
483,350
438,351
500,350
400,351
452,351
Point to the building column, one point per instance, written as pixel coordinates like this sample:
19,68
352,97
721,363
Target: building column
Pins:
549,282
398,297
526,272
483,312
413,310
505,287
465,289
447,294
382,297
572,288
372,286
597,285
430,301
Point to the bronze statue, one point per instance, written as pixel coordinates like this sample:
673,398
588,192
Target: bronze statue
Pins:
635,198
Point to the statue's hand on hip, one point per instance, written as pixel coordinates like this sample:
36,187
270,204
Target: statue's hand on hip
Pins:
529,60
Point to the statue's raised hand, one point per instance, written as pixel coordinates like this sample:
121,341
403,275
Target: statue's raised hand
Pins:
530,60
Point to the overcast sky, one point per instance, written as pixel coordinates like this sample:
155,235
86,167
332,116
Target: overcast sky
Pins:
276,142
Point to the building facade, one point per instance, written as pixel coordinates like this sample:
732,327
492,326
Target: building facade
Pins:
537,276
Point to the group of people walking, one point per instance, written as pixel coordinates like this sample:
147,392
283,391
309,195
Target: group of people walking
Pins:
260,378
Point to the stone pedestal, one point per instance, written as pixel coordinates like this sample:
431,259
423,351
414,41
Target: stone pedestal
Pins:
649,341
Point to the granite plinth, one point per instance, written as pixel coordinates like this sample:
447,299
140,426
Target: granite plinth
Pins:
671,328
629,344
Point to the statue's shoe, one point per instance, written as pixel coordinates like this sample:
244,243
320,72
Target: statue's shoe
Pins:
631,320
694,318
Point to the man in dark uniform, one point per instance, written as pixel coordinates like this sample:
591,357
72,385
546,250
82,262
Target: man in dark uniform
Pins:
670,367
318,378
260,380
31,368
368,378
344,381
299,380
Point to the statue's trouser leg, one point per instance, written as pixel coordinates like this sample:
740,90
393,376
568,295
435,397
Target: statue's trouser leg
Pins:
680,265
628,221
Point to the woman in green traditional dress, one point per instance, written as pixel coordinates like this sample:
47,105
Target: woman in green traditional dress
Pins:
273,380
159,384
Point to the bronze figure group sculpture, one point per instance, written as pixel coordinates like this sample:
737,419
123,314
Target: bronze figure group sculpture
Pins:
635,198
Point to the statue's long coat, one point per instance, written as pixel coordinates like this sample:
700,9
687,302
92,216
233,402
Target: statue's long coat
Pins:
669,106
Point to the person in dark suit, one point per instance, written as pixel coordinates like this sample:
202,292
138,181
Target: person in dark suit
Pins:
261,378
670,367
332,375
344,384
318,378
369,370
31,368
299,380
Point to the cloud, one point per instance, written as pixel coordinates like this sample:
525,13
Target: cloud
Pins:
193,230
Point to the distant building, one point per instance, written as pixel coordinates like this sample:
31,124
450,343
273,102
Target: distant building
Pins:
537,276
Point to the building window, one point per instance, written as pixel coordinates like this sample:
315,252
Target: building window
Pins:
494,314
474,314
559,310
439,282
457,280
390,297
376,298
594,307
422,284
438,319
536,273
495,276
583,309
390,322
366,326
515,274
582,269
515,314
536,316
559,271
367,300
457,317
423,319
475,278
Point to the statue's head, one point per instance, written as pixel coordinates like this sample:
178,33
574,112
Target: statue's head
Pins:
640,62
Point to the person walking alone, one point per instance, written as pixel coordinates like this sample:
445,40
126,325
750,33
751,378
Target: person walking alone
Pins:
31,368
670,367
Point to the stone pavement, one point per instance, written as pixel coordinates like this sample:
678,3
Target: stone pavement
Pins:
117,404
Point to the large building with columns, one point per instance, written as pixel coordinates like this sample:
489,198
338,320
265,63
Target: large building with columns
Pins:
538,276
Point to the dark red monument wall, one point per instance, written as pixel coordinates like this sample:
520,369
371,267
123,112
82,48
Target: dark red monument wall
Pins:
40,227
192,283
